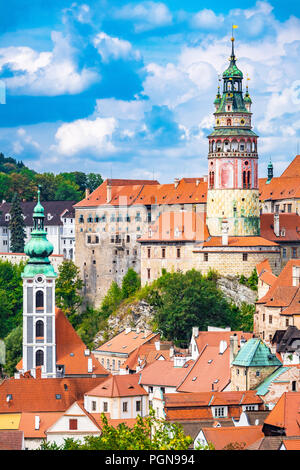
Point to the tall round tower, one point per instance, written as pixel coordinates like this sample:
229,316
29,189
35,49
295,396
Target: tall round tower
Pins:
233,196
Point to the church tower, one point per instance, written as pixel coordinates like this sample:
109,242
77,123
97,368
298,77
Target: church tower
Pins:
39,348
233,196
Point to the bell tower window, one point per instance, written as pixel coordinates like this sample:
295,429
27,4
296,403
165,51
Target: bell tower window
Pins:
39,358
39,329
39,299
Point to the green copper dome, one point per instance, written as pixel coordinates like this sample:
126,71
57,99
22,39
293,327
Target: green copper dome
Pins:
38,249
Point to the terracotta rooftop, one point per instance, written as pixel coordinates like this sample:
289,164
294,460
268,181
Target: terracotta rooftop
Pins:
286,414
223,436
282,290
163,373
127,341
28,394
119,386
27,423
289,227
238,242
11,440
293,170
146,354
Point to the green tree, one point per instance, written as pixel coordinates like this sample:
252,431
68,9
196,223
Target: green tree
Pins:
67,191
11,296
13,350
186,300
130,284
17,226
68,290
93,181
149,433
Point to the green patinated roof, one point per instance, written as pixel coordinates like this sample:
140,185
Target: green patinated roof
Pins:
237,101
38,248
263,388
232,132
255,353
233,71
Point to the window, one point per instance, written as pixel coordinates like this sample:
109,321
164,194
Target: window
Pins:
73,424
270,319
220,412
39,358
127,238
149,252
287,322
294,252
39,299
257,373
150,389
89,239
105,407
294,386
148,273
39,329
178,252
284,252
245,256
289,207
125,407
205,256
163,390
138,406
94,405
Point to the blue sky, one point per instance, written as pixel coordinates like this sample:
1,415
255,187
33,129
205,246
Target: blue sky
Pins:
127,88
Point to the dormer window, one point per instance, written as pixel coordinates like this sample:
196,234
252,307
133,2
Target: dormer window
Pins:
7,217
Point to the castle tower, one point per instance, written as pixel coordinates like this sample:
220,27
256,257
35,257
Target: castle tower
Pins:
233,160
39,348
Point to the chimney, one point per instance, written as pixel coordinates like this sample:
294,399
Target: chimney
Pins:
176,182
276,224
233,347
225,229
127,330
90,364
87,192
205,178
197,182
108,191
157,345
195,332
36,422
171,352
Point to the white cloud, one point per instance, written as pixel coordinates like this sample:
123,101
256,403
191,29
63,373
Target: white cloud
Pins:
114,48
46,73
146,15
207,19
84,134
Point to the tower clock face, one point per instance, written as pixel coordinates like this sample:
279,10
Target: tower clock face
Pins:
39,279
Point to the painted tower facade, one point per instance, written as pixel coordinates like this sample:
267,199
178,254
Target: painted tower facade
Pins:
233,196
39,348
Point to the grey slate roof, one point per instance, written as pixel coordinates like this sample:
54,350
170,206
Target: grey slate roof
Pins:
54,208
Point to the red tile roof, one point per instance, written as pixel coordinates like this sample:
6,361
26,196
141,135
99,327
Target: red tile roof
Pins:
43,395
144,355
11,440
27,423
293,169
119,386
163,373
211,368
222,437
286,414
282,291
127,342
289,227
239,242
291,444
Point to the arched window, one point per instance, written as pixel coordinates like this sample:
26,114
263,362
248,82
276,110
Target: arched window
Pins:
246,179
71,253
39,329
39,299
39,358
229,122
211,179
